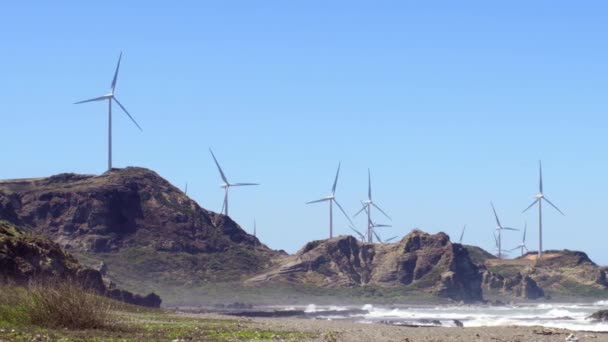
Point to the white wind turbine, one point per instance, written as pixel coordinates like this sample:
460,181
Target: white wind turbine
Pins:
332,199
226,185
112,97
367,206
540,197
372,230
499,228
498,252
522,245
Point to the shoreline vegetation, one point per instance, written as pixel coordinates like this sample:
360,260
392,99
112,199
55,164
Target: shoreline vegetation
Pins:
65,312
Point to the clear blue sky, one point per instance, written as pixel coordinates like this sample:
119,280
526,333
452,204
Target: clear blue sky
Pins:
450,103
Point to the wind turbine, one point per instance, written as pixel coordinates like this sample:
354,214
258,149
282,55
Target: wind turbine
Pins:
375,225
254,228
462,234
498,251
499,228
226,185
367,207
186,189
111,97
539,199
332,199
522,245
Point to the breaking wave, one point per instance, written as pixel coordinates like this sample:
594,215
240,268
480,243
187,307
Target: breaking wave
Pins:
564,316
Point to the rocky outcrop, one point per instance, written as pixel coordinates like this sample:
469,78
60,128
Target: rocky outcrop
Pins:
560,273
136,222
419,262
25,258
600,316
519,285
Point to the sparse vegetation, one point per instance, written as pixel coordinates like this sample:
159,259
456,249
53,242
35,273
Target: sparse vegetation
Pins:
54,305
64,312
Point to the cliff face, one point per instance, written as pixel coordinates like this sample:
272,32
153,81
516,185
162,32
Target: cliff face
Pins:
135,221
419,262
25,257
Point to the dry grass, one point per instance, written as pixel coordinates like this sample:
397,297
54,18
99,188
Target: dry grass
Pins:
55,305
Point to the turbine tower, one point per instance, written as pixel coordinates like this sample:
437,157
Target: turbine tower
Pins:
226,185
367,207
112,97
499,253
522,245
499,228
332,199
540,197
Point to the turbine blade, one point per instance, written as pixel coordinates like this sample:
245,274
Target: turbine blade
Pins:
382,211
507,228
530,206
101,98
511,250
369,185
391,239
116,73
495,239
360,211
525,230
224,203
320,200
553,205
125,110
219,168
377,237
358,232
540,173
244,184
343,212
333,188
381,225
495,215
462,234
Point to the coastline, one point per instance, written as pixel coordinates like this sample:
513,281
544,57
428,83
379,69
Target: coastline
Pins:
345,330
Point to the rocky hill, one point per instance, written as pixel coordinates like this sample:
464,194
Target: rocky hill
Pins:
420,262
558,274
25,258
142,227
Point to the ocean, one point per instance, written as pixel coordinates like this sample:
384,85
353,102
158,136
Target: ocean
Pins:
572,316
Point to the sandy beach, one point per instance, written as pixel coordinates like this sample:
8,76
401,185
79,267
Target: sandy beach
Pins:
344,330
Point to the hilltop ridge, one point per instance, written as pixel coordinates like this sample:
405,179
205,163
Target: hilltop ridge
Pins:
141,226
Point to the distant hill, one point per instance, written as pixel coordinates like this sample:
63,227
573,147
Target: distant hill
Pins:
419,263
560,273
152,237
144,229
